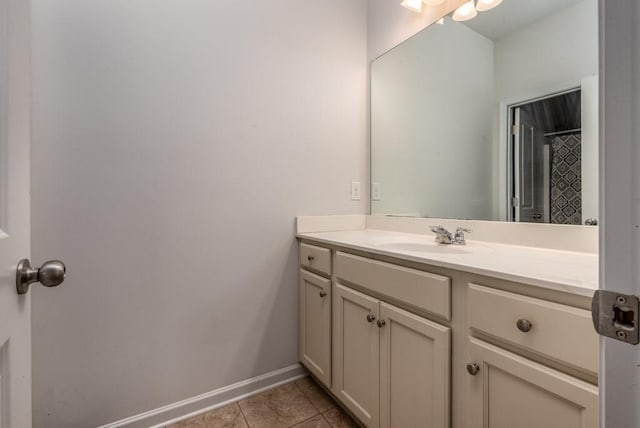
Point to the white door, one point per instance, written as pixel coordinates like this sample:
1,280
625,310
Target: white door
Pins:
314,293
414,370
15,317
619,200
356,361
510,391
530,170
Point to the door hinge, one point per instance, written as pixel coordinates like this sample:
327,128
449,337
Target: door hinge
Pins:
515,202
515,129
615,315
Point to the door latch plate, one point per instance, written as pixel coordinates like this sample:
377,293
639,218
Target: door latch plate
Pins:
615,315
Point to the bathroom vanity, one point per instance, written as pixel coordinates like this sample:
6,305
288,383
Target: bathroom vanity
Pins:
405,332
474,120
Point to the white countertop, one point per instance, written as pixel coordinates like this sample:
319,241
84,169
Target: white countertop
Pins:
567,271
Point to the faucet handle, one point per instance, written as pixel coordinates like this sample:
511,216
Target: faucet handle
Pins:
459,236
443,236
438,229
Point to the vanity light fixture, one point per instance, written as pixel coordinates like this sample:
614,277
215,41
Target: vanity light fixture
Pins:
413,5
484,5
465,12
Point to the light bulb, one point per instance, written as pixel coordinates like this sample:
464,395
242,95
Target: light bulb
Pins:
413,5
440,21
432,2
484,5
465,12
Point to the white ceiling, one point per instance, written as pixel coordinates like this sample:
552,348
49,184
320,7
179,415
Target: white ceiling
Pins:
511,15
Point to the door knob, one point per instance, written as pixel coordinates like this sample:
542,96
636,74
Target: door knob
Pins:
50,274
536,216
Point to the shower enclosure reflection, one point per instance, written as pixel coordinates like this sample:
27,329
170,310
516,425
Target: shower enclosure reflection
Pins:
549,158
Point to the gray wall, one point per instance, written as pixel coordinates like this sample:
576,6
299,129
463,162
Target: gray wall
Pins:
389,23
174,142
549,55
415,137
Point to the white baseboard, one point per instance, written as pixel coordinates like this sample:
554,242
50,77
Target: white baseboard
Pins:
210,400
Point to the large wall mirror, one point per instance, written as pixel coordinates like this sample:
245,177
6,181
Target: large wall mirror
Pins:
495,118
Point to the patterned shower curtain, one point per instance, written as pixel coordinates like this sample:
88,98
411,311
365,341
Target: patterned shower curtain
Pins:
566,179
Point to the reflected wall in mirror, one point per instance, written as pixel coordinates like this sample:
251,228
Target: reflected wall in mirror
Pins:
491,119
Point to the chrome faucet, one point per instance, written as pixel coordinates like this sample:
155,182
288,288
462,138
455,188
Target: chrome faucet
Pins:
458,239
443,236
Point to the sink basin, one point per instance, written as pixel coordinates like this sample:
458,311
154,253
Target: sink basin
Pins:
420,247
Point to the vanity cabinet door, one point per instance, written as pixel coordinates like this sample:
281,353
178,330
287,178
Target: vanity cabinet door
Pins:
511,391
414,370
315,325
357,353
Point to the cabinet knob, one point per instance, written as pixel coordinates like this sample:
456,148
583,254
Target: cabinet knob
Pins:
473,369
371,318
323,294
310,258
381,323
524,326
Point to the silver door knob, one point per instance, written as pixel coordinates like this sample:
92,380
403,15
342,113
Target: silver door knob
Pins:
50,274
536,216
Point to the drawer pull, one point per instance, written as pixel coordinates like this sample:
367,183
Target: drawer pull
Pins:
371,318
473,369
310,258
524,326
381,323
323,294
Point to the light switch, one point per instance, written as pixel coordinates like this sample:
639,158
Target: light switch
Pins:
355,190
376,192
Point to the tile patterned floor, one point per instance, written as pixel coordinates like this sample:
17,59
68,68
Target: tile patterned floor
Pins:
300,404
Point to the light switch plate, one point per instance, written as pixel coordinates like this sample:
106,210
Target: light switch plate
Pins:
376,192
355,190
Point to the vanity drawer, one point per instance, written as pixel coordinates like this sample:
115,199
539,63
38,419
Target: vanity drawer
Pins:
423,290
557,331
315,258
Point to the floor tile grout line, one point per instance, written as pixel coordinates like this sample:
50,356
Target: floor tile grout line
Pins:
319,413
327,420
246,421
333,401
304,394
306,420
295,385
